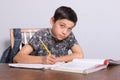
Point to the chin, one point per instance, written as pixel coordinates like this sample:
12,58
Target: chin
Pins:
61,39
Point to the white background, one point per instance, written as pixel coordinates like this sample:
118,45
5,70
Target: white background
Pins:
97,30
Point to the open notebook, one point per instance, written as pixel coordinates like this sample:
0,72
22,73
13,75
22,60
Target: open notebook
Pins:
76,66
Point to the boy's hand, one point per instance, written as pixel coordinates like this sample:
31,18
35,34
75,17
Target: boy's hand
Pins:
49,59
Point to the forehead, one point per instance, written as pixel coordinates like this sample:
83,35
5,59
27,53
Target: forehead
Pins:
66,22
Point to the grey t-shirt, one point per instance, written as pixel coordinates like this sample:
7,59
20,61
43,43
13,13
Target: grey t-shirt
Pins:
56,47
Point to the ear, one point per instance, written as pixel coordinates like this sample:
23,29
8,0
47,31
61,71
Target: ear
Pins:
52,21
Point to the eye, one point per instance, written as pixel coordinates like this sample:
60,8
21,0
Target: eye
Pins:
69,29
62,25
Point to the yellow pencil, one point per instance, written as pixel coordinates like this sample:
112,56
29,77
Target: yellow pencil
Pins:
45,47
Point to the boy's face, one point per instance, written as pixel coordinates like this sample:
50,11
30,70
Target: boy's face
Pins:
62,28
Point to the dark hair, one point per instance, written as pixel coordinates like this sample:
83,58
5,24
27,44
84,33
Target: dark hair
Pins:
64,12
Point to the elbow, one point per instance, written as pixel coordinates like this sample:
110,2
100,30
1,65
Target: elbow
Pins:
15,60
81,55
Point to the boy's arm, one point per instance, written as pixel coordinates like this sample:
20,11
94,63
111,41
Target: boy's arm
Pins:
23,56
76,53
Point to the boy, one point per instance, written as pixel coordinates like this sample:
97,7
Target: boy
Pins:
58,39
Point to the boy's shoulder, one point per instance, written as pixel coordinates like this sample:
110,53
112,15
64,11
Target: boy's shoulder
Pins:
43,31
71,35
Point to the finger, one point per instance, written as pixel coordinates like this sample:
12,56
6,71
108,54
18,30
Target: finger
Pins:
51,59
50,62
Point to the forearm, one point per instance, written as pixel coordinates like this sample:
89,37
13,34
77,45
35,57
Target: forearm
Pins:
48,59
28,59
69,57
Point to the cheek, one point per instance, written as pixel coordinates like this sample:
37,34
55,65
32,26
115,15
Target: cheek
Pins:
68,33
57,29
56,32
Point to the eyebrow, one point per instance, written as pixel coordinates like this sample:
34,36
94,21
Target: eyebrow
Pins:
66,25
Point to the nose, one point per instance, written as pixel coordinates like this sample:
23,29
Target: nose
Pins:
64,31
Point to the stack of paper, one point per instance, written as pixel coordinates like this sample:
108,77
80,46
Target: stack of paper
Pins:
77,65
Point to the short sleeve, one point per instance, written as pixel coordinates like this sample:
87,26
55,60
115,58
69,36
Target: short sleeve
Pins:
35,40
72,40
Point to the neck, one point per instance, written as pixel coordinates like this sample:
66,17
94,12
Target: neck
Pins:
50,29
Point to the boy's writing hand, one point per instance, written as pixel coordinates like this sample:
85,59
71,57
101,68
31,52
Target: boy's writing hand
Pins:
49,59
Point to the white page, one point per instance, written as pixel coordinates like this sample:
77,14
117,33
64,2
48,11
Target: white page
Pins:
91,61
76,66
80,64
20,65
36,66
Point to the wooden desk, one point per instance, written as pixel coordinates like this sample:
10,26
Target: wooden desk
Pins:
7,73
